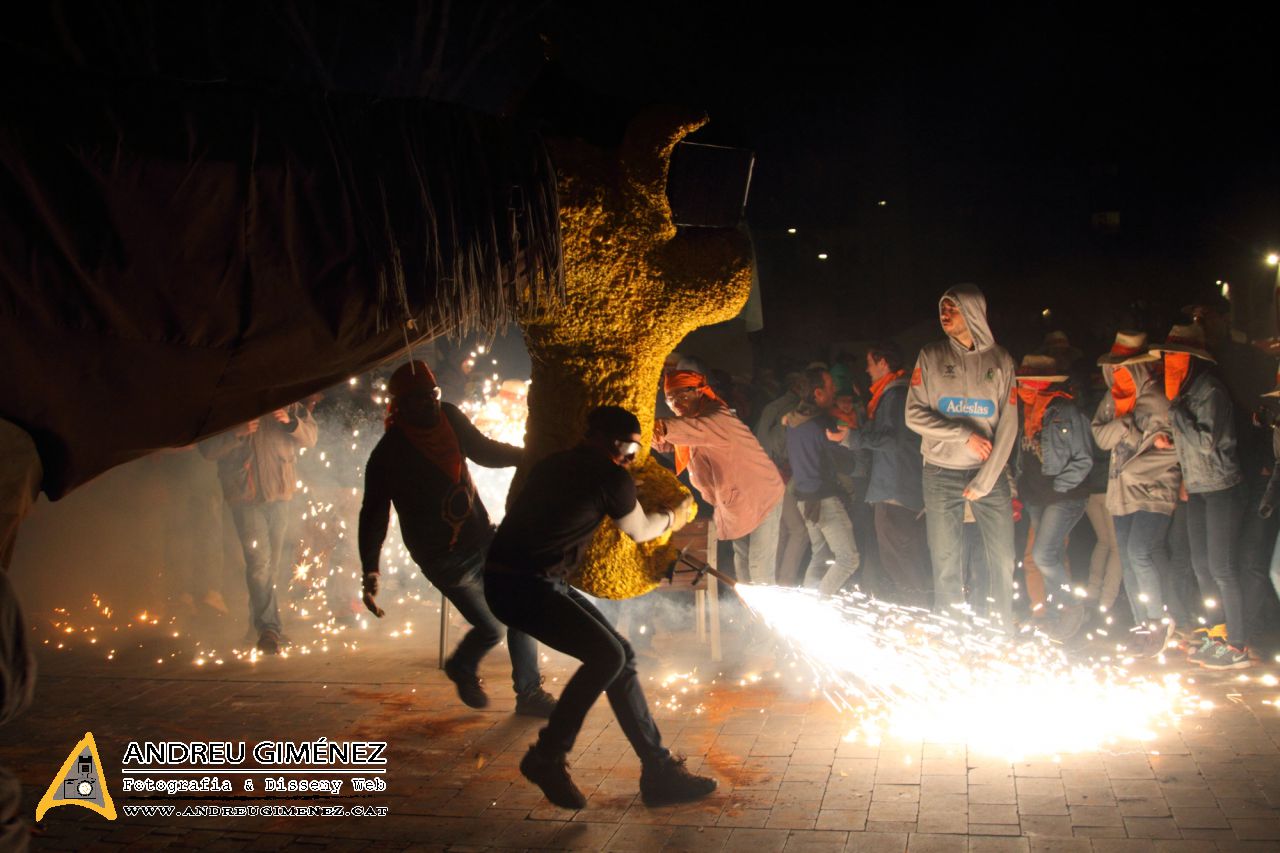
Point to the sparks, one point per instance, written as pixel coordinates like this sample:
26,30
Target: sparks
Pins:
906,673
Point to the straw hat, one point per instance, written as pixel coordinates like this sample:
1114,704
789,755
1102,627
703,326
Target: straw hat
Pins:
1039,368
1188,339
1057,343
1128,348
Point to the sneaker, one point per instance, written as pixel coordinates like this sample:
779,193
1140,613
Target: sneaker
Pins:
470,686
1204,651
1156,642
1070,621
270,642
669,781
535,703
1227,656
551,774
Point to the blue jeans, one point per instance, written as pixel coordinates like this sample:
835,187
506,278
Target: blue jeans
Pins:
755,556
1213,526
261,528
1141,537
562,618
1179,585
834,553
1052,524
944,520
460,578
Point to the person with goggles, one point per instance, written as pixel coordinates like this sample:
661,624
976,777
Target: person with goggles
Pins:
539,545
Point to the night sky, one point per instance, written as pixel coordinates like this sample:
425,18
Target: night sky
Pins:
1004,144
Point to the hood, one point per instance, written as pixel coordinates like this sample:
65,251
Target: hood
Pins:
798,417
973,307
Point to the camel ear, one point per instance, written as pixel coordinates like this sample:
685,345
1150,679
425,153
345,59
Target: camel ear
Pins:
645,158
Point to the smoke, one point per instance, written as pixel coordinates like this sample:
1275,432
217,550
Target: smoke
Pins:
152,544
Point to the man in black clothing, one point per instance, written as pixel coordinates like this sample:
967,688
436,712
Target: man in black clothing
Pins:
537,548
420,466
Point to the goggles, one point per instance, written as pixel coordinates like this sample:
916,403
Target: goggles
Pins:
626,448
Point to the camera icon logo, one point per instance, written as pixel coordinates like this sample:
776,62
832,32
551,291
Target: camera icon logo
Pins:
79,783
81,789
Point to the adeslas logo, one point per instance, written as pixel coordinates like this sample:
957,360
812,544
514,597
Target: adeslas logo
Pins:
969,407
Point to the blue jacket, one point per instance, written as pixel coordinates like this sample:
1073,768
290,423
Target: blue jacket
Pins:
813,473
1066,452
1204,435
895,451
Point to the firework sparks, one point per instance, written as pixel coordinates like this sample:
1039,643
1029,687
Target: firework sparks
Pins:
909,674
320,587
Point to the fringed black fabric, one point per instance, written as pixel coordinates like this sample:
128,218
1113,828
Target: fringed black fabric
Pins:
197,255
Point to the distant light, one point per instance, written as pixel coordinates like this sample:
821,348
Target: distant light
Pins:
1218,282
1226,290
881,203
822,256
1045,313
1273,259
791,230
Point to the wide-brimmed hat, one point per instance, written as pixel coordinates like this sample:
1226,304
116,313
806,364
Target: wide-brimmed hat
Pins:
1188,339
1057,343
1039,368
1128,348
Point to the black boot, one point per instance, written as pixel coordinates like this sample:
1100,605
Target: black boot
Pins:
470,686
551,774
669,781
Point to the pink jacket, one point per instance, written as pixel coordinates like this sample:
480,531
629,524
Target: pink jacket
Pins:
729,467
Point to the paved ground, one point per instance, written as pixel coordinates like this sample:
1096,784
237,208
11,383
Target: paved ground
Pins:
788,781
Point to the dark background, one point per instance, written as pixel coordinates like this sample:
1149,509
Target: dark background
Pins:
1109,164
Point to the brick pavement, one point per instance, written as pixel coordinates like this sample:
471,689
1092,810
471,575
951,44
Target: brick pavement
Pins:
788,780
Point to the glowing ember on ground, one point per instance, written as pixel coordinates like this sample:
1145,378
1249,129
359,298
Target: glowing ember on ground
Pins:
909,674
673,691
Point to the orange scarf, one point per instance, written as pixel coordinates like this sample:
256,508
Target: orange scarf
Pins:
1123,391
1176,367
1036,398
877,391
675,380
438,443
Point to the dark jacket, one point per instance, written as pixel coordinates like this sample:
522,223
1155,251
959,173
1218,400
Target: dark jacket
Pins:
895,451
1204,434
437,517
810,452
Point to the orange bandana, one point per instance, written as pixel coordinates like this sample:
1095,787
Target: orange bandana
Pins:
674,381
1176,367
878,388
1124,391
1036,398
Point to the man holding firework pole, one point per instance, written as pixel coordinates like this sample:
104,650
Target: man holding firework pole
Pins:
420,466
537,548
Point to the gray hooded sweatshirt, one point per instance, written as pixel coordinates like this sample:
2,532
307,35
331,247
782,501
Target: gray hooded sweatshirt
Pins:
955,393
1142,477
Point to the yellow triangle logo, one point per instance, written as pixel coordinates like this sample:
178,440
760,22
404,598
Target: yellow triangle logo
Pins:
79,783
